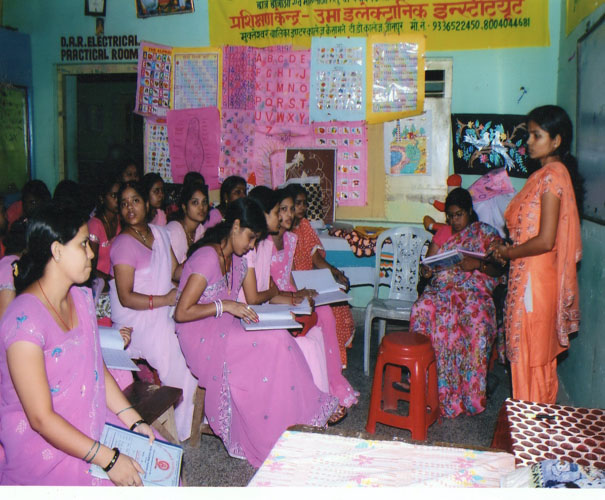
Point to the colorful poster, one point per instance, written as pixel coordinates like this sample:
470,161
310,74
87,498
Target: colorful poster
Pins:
485,142
350,141
338,80
154,77
395,77
577,10
281,99
239,77
194,138
407,145
197,78
156,149
447,24
237,143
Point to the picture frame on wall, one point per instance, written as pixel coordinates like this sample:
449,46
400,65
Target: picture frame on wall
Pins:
150,8
94,7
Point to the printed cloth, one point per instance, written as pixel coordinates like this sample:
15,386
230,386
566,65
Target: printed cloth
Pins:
457,312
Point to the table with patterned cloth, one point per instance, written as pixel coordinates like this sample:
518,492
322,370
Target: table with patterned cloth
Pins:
536,431
320,460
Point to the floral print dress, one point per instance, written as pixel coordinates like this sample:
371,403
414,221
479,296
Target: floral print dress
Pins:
457,312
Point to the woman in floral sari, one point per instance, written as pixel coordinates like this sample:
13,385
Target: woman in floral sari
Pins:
457,312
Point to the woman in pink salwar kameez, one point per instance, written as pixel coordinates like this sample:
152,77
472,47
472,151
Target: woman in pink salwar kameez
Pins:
142,295
55,391
282,260
257,382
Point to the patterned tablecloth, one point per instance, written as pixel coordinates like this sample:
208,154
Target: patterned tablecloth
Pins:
320,460
541,431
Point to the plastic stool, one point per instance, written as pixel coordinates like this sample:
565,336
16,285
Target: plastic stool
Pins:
415,352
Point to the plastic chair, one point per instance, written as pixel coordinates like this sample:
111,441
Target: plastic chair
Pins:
415,352
407,243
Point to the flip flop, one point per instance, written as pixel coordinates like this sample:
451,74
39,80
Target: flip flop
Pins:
338,416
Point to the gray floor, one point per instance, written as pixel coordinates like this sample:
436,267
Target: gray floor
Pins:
209,464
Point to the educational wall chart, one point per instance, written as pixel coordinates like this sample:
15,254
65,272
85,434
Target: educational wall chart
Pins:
237,143
483,142
338,80
448,24
156,149
194,138
154,80
395,77
197,78
407,145
239,77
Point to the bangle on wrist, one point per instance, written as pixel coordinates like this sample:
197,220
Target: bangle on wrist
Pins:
431,226
95,454
124,409
113,461
89,451
136,424
151,302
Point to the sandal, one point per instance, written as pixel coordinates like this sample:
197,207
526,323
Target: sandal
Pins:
338,416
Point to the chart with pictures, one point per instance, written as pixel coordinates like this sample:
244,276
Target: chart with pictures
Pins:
197,77
337,79
157,151
153,80
350,141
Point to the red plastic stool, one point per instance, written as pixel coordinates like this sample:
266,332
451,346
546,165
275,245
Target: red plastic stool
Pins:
415,352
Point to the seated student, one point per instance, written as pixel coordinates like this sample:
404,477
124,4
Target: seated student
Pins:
15,244
282,260
188,227
214,215
33,194
233,188
127,171
457,312
310,254
257,382
142,294
154,186
55,391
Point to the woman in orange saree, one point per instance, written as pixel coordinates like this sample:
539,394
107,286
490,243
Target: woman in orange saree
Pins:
542,305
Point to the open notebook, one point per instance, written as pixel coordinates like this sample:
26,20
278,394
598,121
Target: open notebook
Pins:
322,281
448,259
277,316
112,347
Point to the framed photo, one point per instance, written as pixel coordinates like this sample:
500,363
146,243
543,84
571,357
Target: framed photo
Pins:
94,8
149,8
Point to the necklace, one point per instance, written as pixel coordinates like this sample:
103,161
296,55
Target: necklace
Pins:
144,238
188,235
55,311
229,287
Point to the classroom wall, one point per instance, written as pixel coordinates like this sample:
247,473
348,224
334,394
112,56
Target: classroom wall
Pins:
582,371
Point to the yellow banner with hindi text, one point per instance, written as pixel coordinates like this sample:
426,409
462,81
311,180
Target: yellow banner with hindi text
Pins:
447,24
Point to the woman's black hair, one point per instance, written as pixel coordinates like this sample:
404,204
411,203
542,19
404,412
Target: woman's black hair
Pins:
139,189
187,192
123,165
266,197
249,213
14,241
460,197
283,193
193,177
555,121
51,222
296,189
149,180
229,185
37,189
104,188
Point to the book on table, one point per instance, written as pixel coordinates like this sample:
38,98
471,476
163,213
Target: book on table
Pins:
112,348
161,462
450,258
322,281
277,316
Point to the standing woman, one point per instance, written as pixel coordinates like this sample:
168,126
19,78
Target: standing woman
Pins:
542,305
142,294
154,187
188,227
56,392
258,382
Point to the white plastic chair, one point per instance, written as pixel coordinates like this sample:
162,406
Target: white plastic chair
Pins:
407,244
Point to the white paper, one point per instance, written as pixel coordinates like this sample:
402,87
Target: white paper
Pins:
112,348
161,462
277,316
322,281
